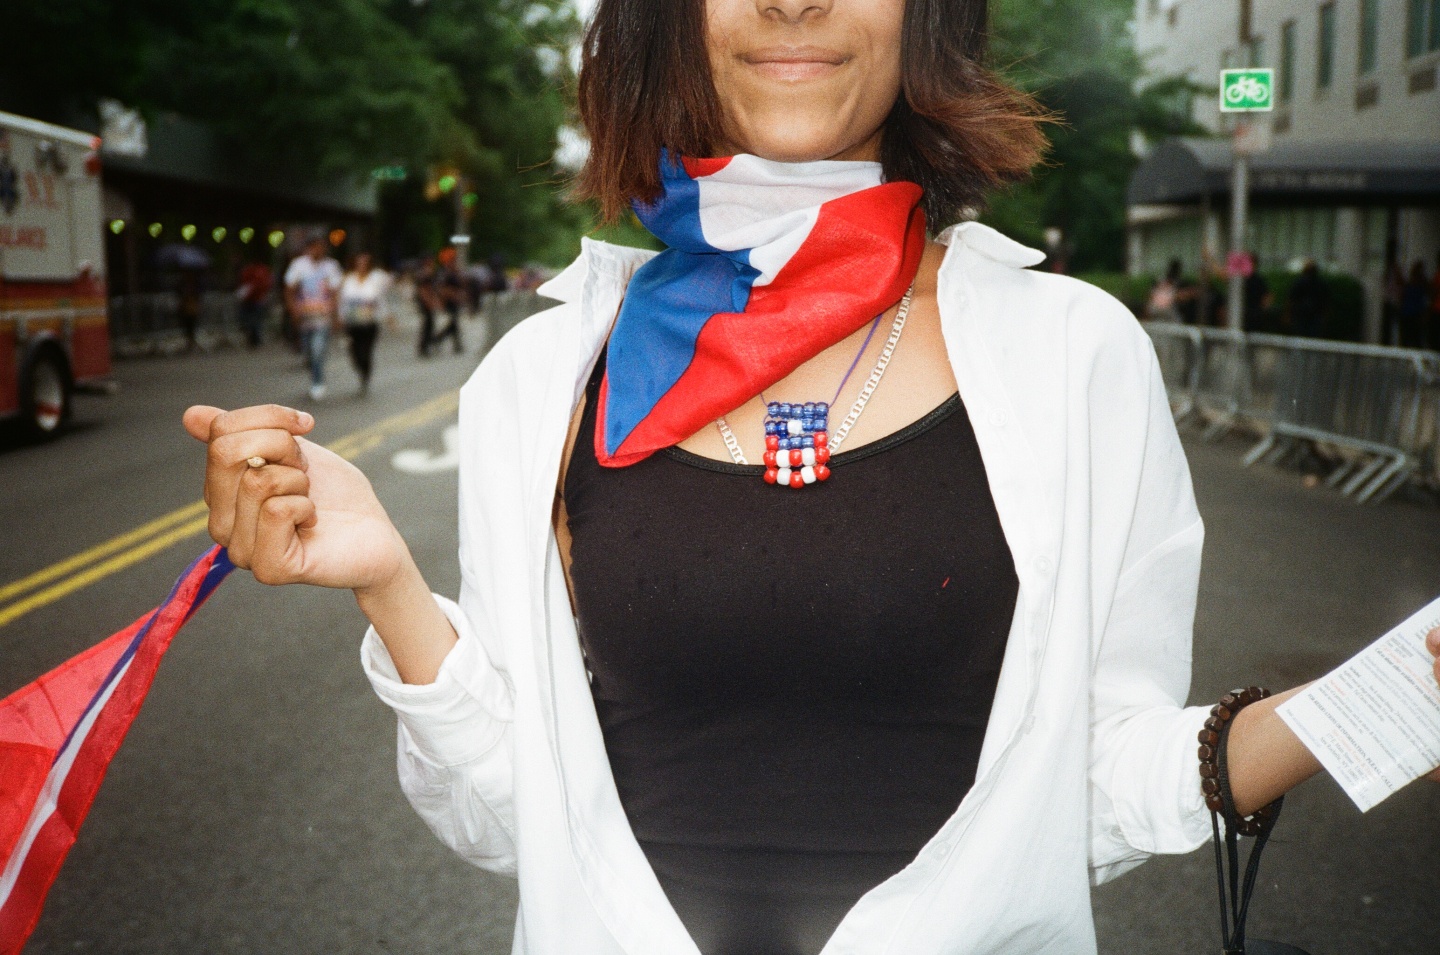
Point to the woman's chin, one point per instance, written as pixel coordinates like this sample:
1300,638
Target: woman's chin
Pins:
795,145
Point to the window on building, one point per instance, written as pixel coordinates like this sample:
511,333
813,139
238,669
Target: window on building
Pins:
1325,65
1287,61
1369,36
1422,30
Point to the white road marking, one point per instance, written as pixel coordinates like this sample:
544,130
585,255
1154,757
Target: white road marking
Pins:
422,461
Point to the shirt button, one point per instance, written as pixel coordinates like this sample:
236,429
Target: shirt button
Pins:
1028,725
997,418
1042,564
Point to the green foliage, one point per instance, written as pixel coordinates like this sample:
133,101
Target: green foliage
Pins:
1078,59
336,87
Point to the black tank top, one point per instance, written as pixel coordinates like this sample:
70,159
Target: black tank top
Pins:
793,685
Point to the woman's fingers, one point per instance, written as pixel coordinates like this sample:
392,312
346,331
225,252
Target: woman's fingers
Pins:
259,417
228,466
256,487
278,557
197,420
265,432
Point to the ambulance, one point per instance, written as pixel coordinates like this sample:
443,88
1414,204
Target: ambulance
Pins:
54,331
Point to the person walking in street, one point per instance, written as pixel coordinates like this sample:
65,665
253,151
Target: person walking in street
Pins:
1415,308
1309,302
427,301
312,284
753,649
449,287
362,305
256,283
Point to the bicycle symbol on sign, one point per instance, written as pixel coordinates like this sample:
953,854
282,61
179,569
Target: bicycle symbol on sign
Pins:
1247,89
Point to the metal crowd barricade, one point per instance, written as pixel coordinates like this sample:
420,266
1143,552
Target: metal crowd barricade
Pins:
149,323
1378,406
1222,390
1178,349
1364,399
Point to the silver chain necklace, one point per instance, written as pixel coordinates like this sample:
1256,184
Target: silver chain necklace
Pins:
810,462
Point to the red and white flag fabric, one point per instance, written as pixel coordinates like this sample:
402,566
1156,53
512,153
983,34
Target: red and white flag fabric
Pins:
58,735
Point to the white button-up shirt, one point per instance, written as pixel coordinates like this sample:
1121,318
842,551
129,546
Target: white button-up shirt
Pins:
1088,764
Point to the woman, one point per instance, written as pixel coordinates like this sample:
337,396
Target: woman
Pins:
694,705
362,305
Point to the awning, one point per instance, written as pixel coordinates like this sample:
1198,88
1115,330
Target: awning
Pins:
1185,171
183,151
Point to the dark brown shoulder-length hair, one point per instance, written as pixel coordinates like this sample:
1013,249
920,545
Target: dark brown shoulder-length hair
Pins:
956,129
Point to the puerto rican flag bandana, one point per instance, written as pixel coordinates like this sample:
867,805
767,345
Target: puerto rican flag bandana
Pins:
768,265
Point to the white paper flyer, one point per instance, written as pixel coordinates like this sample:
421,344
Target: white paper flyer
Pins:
1374,723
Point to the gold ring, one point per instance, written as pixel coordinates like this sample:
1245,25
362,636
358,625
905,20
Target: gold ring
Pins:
256,462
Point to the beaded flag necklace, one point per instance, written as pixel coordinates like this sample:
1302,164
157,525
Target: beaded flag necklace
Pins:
798,445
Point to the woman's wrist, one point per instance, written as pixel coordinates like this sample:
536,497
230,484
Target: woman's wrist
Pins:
1265,758
416,633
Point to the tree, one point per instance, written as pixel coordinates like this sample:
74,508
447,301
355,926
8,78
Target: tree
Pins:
510,60
1078,58
334,87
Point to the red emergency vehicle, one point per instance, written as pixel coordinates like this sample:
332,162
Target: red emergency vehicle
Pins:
54,331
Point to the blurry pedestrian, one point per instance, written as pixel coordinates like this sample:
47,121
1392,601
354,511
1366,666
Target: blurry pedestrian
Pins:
1309,302
1434,336
1165,295
1393,298
1415,308
190,298
427,300
312,283
499,281
1259,298
362,305
256,283
450,292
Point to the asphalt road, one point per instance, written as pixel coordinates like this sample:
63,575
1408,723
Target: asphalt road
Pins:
254,807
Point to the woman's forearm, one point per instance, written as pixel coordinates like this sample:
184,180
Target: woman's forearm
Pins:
1265,758
416,633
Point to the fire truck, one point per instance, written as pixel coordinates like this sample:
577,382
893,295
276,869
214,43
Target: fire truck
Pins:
54,331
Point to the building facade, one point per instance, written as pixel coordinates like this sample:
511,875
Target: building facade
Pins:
1351,178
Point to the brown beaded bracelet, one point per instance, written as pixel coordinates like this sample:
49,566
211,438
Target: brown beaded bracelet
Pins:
1214,774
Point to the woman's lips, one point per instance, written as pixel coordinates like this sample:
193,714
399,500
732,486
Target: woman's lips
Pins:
794,63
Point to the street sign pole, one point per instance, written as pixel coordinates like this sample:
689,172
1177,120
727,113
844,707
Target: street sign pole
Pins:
1243,91
1239,214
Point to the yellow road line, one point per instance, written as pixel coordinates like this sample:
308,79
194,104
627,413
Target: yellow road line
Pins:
135,545
99,571
100,550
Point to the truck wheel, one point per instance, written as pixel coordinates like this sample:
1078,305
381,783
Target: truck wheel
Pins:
45,391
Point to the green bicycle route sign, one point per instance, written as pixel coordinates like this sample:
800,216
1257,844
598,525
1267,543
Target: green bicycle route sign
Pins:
1247,91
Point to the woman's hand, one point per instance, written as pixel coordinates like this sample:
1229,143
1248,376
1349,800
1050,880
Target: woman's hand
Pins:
306,516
